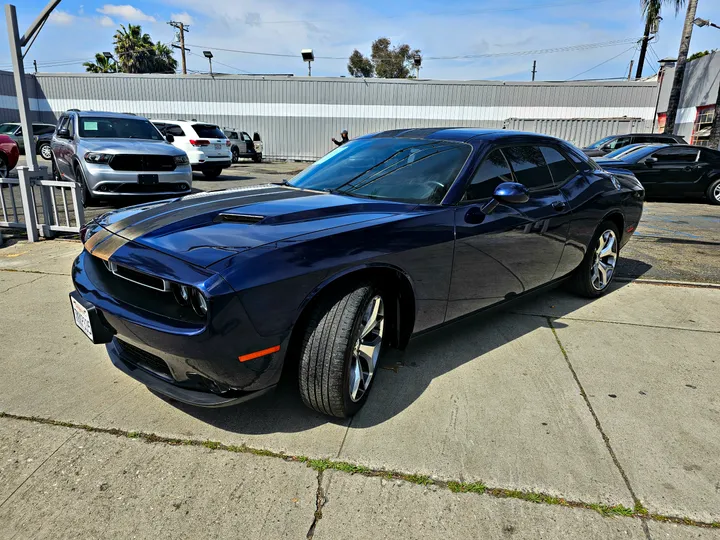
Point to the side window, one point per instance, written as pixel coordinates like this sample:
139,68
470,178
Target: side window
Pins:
71,126
676,155
160,127
233,135
62,123
709,156
617,143
560,168
529,166
246,137
645,139
494,170
174,130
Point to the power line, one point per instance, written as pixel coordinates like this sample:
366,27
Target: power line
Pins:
602,63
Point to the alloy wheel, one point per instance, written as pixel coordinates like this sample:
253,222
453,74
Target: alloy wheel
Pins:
604,261
716,193
367,349
45,151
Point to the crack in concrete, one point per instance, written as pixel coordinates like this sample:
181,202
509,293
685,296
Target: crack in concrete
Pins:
319,503
639,508
22,271
344,437
21,284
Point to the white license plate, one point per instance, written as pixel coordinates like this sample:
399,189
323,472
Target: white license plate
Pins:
218,146
82,319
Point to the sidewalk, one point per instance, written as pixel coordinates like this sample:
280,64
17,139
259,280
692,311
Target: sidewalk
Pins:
555,420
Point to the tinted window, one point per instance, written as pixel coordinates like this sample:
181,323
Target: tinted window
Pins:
617,143
7,129
117,128
650,139
493,170
672,155
231,135
529,166
388,168
245,137
208,131
710,156
560,168
41,129
174,130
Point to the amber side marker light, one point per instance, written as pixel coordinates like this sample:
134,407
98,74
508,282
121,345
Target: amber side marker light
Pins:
258,354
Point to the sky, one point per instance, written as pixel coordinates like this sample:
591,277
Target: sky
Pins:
333,28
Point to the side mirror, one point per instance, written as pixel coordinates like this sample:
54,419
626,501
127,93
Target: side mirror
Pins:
650,161
511,193
169,138
63,133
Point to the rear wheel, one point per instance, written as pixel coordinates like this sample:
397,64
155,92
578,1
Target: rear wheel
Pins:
340,350
235,154
45,151
713,192
212,173
597,270
4,168
86,197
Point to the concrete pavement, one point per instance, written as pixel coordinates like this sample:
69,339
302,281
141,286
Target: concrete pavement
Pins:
548,410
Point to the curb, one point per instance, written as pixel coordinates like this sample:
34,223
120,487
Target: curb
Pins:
669,282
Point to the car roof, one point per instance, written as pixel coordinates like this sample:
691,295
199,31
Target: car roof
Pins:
459,134
671,135
105,114
189,122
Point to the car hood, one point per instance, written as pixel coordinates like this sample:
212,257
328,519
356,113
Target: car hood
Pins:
130,146
204,228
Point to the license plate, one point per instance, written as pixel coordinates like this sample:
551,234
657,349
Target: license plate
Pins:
144,179
82,318
218,146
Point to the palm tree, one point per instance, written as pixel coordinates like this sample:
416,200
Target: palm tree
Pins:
133,49
674,99
100,65
651,11
163,61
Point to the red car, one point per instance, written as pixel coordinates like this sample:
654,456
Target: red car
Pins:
9,155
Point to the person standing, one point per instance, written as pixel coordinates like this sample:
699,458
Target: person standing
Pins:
343,138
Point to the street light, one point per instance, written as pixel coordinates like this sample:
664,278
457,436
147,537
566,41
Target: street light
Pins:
417,61
309,57
209,56
704,22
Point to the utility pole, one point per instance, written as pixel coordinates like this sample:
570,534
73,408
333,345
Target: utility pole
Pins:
182,28
534,71
674,99
630,70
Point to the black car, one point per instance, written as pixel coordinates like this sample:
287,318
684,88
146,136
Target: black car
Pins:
42,144
672,170
613,142
42,133
243,146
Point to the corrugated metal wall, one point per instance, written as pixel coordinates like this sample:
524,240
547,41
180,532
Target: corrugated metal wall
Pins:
297,116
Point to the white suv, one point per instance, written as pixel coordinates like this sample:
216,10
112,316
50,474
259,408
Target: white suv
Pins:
206,145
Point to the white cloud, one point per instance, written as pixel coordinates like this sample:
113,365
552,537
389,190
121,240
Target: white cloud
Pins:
61,17
183,17
126,12
105,21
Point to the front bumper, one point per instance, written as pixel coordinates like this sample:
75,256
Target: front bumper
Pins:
197,365
104,181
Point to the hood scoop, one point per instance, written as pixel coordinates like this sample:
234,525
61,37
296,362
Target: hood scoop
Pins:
247,219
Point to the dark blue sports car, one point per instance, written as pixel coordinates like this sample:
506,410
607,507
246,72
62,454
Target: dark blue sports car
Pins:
207,297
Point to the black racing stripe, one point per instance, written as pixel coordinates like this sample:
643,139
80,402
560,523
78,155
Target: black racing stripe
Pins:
189,201
148,225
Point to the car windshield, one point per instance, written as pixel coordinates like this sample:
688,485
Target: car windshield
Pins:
407,170
7,128
117,128
623,150
598,144
208,131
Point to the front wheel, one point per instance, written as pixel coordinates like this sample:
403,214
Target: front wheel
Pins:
713,192
4,168
340,351
235,154
86,197
212,173
597,270
45,151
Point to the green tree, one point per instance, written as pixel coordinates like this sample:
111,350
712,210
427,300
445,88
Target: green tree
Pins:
163,59
133,49
100,65
651,11
384,61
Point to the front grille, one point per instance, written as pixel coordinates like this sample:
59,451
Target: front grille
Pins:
145,188
142,163
141,358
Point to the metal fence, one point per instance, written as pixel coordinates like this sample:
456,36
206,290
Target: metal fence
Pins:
40,206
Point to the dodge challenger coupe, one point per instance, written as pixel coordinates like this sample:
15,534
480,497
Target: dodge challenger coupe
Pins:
205,298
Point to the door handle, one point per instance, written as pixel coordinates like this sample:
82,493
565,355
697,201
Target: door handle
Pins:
558,206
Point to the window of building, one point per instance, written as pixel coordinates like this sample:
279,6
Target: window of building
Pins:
662,117
703,124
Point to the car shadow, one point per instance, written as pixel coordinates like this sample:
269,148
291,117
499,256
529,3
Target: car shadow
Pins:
402,376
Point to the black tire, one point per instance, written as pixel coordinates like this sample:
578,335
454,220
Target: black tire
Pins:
713,192
86,197
45,151
211,173
583,278
235,154
326,353
4,168
257,158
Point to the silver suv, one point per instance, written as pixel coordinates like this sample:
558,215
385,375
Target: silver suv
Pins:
110,155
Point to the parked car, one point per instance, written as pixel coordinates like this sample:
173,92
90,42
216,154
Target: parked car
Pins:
43,144
9,155
205,298
676,171
613,142
206,145
14,131
242,146
110,155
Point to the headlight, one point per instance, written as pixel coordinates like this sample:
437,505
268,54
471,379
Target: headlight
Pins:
97,157
199,303
181,160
